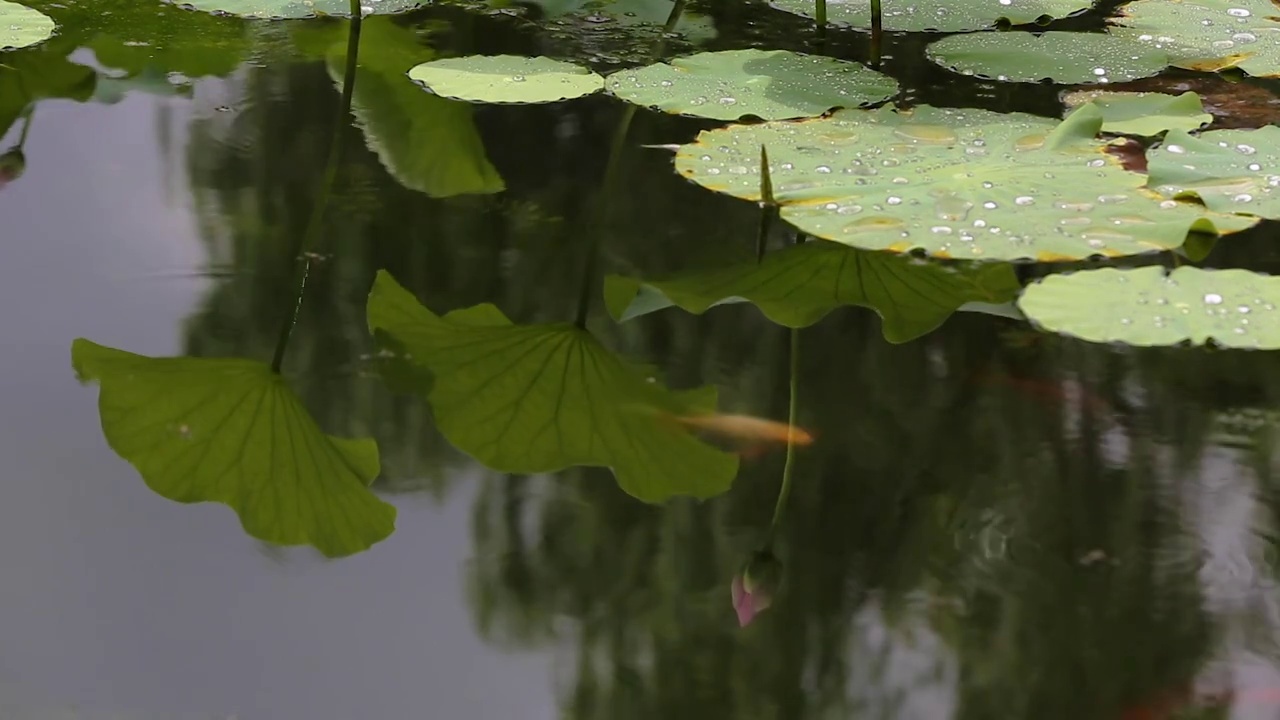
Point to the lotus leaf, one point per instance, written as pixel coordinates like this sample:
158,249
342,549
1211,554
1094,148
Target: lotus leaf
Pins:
20,26
1229,170
540,398
953,183
506,79
1208,34
31,75
620,19
798,286
1141,113
1146,306
768,84
1069,58
284,9
938,15
231,431
427,143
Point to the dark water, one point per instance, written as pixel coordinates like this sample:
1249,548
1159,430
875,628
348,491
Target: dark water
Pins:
993,523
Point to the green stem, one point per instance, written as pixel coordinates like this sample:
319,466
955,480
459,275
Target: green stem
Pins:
820,15
788,468
26,125
311,234
877,32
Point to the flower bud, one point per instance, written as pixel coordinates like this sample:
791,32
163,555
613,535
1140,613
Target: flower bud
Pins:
754,588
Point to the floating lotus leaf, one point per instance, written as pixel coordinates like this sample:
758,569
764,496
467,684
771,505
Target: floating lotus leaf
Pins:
953,183
231,431
506,79
618,20
1070,58
20,26
1146,306
768,84
799,285
1140,113
1208,34
1229,170
283,9
540,398
938,15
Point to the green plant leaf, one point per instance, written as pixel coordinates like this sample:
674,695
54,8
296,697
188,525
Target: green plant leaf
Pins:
1228,170
20,26
799,285
506,79
1207,35
231,431
286,9
953,183
938,15
1143,113
27,76
1144,306
540,398
768,84
1070,58
427,143
621,20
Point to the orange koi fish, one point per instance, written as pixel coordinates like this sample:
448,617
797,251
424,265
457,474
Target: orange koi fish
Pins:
753,431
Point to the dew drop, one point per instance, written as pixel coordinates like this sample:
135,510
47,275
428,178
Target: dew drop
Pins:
822,169
1024,200
728,101
1175,149
1238,12
893,200
990,205
1242,198
1212,299
517,78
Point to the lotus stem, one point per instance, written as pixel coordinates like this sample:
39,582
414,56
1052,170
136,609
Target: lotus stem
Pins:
311,233
877,32
820,15
788,467
768,206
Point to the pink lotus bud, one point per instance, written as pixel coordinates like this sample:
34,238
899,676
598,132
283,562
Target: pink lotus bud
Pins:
753,589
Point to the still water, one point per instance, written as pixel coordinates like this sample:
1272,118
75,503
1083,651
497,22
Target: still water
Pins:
992,523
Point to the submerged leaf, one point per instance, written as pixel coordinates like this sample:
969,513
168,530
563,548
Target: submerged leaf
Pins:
284,9
1144,306
1069,58
1228,170
427,143
1143,113
799,285
938,15
1208,35
506,79
954,183
768,84
541,398
20,26
230,431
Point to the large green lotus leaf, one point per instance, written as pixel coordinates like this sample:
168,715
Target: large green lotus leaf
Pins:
1143,113
768,84
938,15
1208,34
506,79
1228,170
799,285
1070,58
540,398
231,431
150,37
1232,308
427,143
285,9
953,183
20,26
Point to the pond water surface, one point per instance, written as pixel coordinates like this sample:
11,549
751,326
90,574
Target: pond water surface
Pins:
992,522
